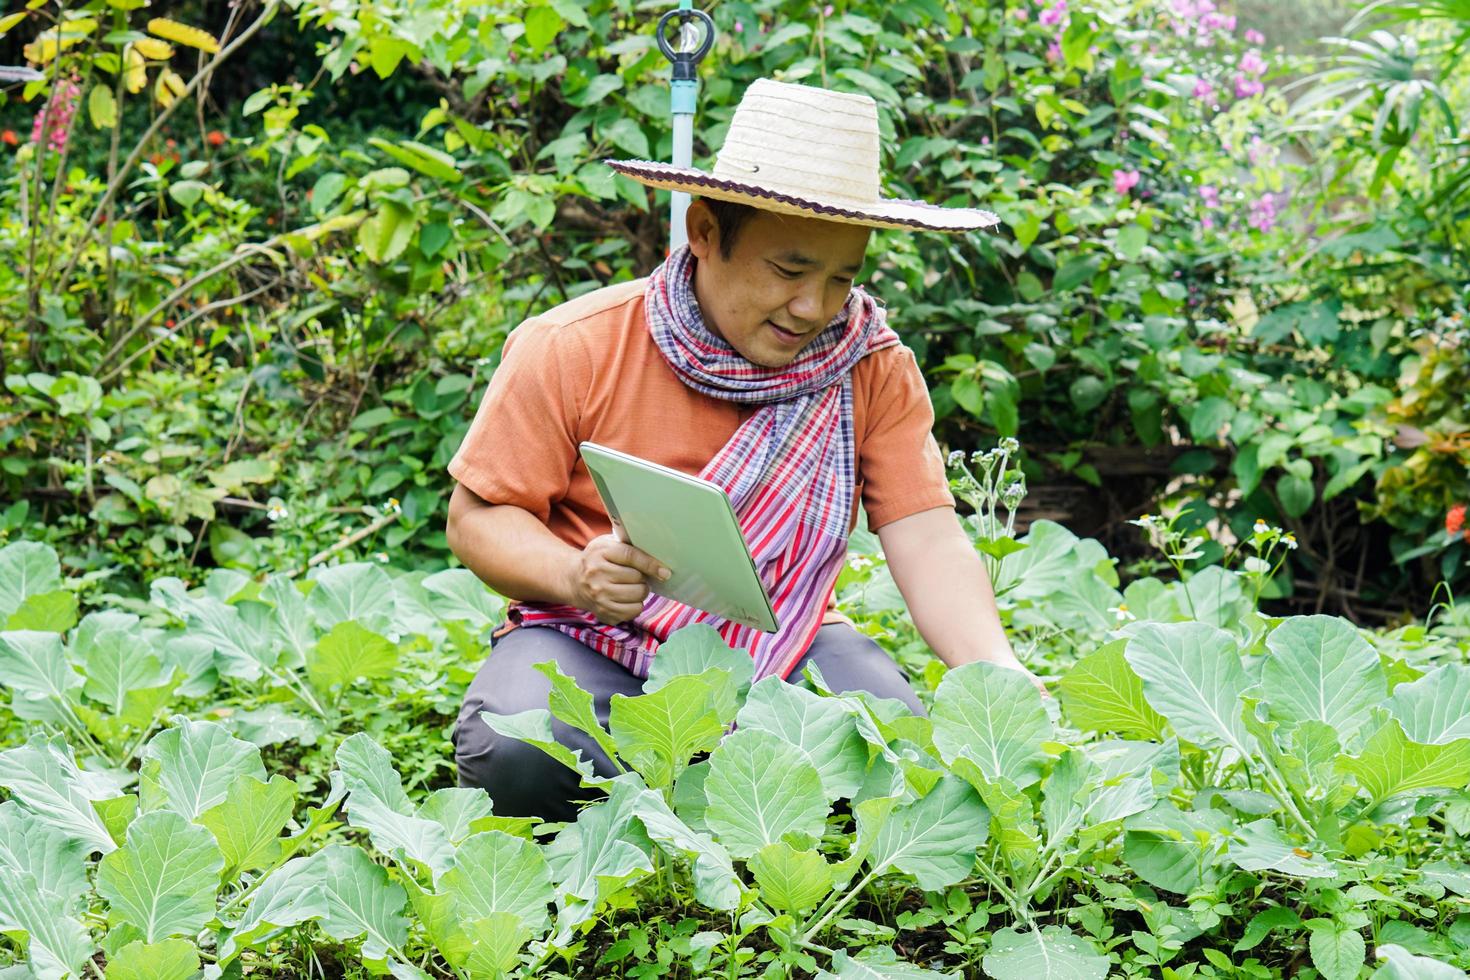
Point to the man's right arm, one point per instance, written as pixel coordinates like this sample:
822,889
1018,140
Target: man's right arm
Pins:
511,551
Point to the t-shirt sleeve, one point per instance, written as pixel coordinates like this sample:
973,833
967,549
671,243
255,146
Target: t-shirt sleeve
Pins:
901,466
522,444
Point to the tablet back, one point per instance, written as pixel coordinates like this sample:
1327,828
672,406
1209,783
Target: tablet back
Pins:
688,524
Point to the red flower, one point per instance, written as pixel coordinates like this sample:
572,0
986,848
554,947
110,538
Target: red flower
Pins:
215,138
1454,521
9,138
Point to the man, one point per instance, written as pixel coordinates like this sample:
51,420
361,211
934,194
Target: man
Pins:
750,359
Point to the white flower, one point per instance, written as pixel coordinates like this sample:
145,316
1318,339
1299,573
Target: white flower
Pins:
1261,527
1147,520
1010,446
1121,611
859,562
275,512
956,457
392,506
1257,566
381,557
1289,540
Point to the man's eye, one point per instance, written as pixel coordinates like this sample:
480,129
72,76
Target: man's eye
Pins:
788,273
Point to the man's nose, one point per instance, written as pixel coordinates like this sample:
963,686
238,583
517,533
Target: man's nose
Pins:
806,305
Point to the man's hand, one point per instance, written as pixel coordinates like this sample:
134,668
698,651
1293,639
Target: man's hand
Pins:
611,578
1011,663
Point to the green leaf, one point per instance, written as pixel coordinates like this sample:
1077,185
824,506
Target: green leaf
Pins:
658,733
1053,953
247,825
1131,241
457,809
933,839
759,789
377,803
458,594
427,160
876,963
1400,964
1337,953
43,775
543,24
495,944
1391,764
1081,794
119,662
51,612
994,716
1296,493
570,703
384,235
1263,923
822,728
27,568
194,764
1101,693
791,880
41,680
495,872
1432,708
29,846
697,649
534,728
603,852
358,590
1074,272
359,900
715,883
172,959
1193,676
627,135
163,881
1012,815
1260,847
1176,850
350,653
290,895
1320,669
57,943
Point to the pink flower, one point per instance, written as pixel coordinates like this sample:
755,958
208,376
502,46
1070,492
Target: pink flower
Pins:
1253,36
1260,149
1246,87
1207,222
1022,14
985,141
1125,180
1251,63
739,27
1203,90
1053,52
827,10
1053,15
1263,212
1210,194
52,124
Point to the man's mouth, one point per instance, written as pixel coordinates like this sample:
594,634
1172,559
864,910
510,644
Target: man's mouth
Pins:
785,335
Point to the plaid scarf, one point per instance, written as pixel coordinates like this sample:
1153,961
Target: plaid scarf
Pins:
789,471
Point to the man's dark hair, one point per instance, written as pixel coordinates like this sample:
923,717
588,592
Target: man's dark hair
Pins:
730,217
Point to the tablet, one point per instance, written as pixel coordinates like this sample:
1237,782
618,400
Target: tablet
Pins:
688,524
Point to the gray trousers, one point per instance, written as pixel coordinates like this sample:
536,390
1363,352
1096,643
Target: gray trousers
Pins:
523,781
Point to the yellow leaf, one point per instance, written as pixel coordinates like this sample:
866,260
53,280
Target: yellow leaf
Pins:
168,88
135,69
153,49
193,37
10,20
46,46
36,4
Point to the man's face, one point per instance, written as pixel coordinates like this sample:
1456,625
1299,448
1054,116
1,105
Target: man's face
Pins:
785,279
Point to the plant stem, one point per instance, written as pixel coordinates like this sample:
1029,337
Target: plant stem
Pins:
816,928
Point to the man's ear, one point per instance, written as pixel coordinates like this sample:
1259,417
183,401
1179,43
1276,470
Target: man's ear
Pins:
701,228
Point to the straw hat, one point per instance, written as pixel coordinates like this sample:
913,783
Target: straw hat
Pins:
798,149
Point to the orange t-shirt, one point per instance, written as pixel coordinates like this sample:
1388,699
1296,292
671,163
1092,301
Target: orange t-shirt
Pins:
588,370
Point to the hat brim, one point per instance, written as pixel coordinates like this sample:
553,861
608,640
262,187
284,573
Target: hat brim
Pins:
884,213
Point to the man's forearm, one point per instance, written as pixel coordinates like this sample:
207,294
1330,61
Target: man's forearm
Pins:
509,549
947,590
